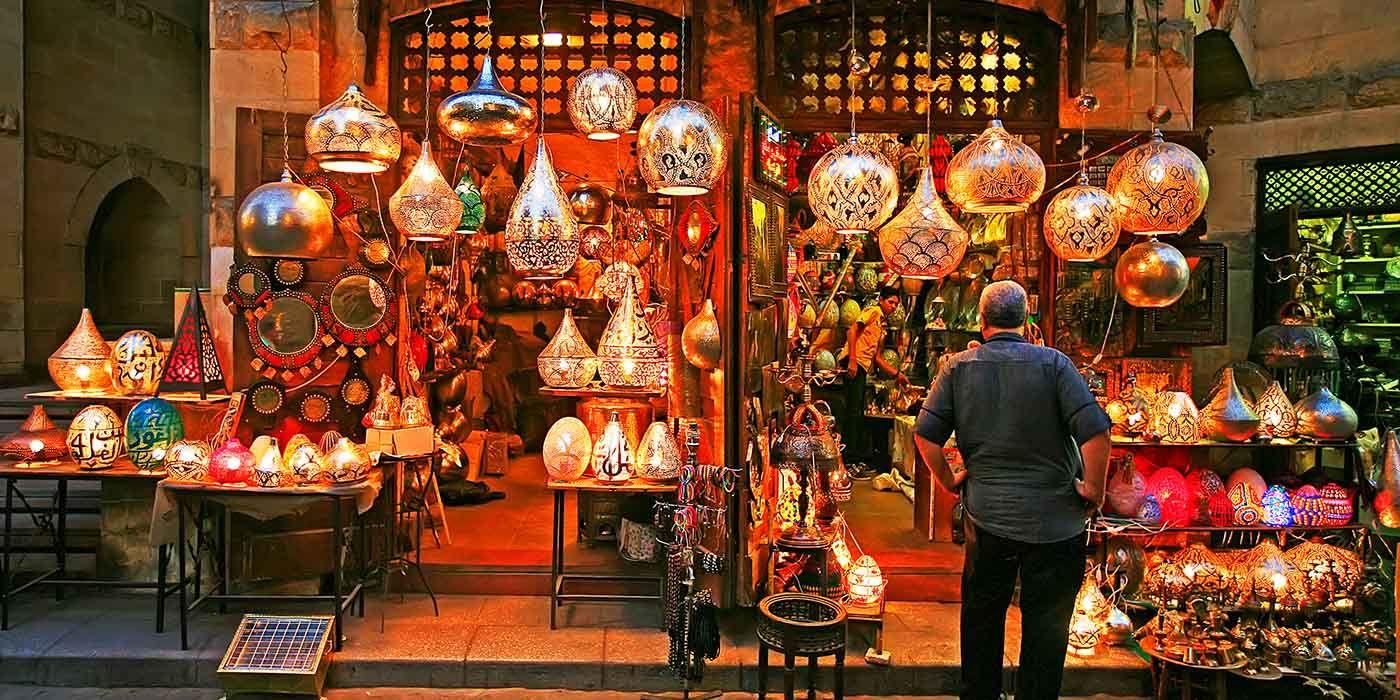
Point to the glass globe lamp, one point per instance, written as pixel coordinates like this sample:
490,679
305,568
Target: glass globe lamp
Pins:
995,173
567,361
352,135
628,354
602,103
1152,274
95,438
658,457
681,148
231,464
1081,222
853,188
865,583
426,208
487,114
1160,187
542,237
152,426
568,449
923,241
187,460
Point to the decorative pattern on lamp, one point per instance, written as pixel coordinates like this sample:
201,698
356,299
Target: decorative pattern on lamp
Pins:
1160,187
567,450
612,454
426,208
152,426
1175,418
487,114
567,361
853,188
136,363
658,457
628,354
1275,411
995,173
602,103
95,438
352,135
542,237
187,460
681,148
83,362
923,241
193,364
37,439
1081,222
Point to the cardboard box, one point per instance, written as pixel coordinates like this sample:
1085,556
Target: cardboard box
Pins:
401,442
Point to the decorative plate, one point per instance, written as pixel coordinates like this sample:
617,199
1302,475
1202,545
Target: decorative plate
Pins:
266,397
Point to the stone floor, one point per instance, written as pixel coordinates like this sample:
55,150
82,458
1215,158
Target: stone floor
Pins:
488,642
15,692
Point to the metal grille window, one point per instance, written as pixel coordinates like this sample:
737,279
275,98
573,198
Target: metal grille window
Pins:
643,43
1339,186
987,62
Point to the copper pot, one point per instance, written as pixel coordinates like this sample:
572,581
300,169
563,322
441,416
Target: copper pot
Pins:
1323,416
1296,341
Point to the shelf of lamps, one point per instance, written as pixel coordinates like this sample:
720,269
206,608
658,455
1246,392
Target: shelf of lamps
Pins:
1130,442
172,397
592,392
1352,527
1366,261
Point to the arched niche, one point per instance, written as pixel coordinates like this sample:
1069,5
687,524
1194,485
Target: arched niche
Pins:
133,261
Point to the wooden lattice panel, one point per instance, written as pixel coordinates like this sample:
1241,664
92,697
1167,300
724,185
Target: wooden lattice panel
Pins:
643,43
1340,186
986,63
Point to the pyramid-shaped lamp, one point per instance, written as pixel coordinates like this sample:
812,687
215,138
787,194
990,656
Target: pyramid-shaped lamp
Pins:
193,364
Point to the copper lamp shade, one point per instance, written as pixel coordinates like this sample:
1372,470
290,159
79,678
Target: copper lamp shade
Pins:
923,241
487,114
1152,274
1323,416
83,362
1160,187
592,204
681,148
426,208
1228,417
602,103
37,439
352,135
285,219
700,340
853,188
542,236
996,173
567,361
1081,222
1296,341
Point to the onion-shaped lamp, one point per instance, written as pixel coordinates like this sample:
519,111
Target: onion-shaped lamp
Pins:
995,173
83,363
1160,187
658,457
152,426
923,241
305,460
37,440
1323,416
1175,419
425,208
487,114
612,454
1081,222
95,437
271,472
542,237
865,583
567,361
137,362
1152,274
628,353
285,219
853,188
681,148
347,462
700,340
567,449
352,135
1275,411
231,464
1228,417
187,460
602,103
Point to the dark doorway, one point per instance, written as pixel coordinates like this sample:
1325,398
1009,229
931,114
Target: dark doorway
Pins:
133,261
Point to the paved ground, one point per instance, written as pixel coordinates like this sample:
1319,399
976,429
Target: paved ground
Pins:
11,692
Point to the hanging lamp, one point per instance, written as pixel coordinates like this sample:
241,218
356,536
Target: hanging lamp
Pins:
628,353
473,206
352,135
853,188
1081,222
1160,188
1152,274
542,237
567,361
425,208
700,340
602,103
681,148
487,114
995,173
285,219
923,241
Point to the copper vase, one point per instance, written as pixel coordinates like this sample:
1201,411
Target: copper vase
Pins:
1323,416
1228,417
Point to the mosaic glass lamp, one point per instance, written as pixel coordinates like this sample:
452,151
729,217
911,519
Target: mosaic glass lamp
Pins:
1337,505
83,362
352,135
612,453
473,206
137,360
542,237
95,438
1175,418
567,361
37,439
681,148
568,449
426,208
1168,486
1278,510
1275,411
231,464
1309,510
853,188
1160,187
865,583
1248,511
152,426
187,460
487,114
995,173
628,354
1081,222
658,457
602,103
923,241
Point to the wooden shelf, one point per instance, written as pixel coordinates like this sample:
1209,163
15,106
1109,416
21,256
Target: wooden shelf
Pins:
1372,292
603,392
68,469
1376,326
172,397
1352,527
1127,442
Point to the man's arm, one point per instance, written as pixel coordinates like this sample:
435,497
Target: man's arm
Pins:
933,457
934,426
1095,455
889,369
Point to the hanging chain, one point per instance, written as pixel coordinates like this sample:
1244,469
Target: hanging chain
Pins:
682,47
427,75
540,124
851,92
928,98
1083,107
282,55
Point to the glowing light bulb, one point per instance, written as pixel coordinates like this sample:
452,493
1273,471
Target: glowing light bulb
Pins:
553,39
36,446
1156,173
1174,410
83,372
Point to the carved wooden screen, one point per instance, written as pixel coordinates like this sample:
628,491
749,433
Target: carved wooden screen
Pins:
988,61
643,43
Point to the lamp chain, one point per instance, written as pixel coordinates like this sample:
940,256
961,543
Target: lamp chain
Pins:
851,97
490,29
682,46
427,75
540,124
928,99
282,55
1083,111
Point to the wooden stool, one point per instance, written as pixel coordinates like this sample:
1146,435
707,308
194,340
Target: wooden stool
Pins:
800,624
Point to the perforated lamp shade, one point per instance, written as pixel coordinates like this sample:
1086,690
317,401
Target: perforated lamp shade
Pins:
658,456
602,103
1275,411
83,362
681,148
95,437
542,236
1175,418
1081,222
853,188
1160,187
995,173
923,241
567,361
567,450
487,114
628,353
352,135
426,208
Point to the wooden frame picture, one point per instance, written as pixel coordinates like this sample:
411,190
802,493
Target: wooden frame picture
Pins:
1199,317
765,222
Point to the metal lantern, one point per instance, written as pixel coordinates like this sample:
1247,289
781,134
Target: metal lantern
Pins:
1152,274
542,237
1323,416
853,188
152,426
1295,342
425,207
1228,417
231,464
137,361
567,449
285,219
923,241
658,456
602,103
83,362
628,353
348,462
865,583
473,206
271,471
700,341
95,437
37,439
681,148
1160,187
352,135
487,114
591,204
612,453
1275,411
567,361
187,460
1175,419
413,412
618,278
305,460
1081,222
995,173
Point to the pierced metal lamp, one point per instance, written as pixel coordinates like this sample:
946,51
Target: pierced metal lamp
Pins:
602,103
1081,222
83,362
542,237
853,188
1160,187
352,135
681,148
487,114
425,208
567,361
628,353
923,241
996,173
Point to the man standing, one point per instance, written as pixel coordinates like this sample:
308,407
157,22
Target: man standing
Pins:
1035,444
863,344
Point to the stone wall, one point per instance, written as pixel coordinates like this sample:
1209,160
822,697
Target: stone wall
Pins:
11,187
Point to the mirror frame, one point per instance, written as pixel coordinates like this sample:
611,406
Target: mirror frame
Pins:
281,360
285,283
322,396
236,296
252,393
383,330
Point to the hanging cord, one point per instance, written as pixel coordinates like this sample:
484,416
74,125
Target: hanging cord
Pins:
490,29
928,97
1084,113
282,55
539,125
427,76
684,13
851,85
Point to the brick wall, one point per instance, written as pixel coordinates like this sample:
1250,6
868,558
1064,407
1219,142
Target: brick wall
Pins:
11,187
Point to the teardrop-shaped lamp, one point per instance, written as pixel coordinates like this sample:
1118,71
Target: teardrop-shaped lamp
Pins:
352,135
995,173
567,361
285,219
628,353
923,241
700,340
542,237
487,114
425,208
853,188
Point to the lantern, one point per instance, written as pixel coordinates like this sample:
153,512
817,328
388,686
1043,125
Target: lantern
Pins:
1337,505
591,204
413,412
1160,187
1203,484
285,219
1207,573
619,276
1175,419
1253,482
152,426
348,462
1090,612
542,237
1126,489
1275,411
304,460
37,439
865,583
487,114
1221,510
1168,583
628,353
473,206
1263,572
1090,601
681,148
602,103
612,455
384,412
1323,416
271,471
351,135
567,450
187,460
136,363
567,361
700,340
95,437
425,208
1081,222
923,241
995,173
853,188
1329,572
1309,509
594,239
1228,416
1169,488
1151,274
658,457
842,554
83,362
1248,512
1387,502
231,464
1278,511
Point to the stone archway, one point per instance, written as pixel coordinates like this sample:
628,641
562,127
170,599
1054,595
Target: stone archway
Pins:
132,259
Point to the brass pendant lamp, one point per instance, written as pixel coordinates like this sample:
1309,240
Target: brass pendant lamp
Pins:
425,208
682,146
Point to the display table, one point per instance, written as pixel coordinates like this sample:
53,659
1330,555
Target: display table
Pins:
175,499
559,578
54,522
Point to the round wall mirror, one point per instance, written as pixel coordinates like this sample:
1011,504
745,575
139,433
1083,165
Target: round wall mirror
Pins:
248,286
357,308
285,332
